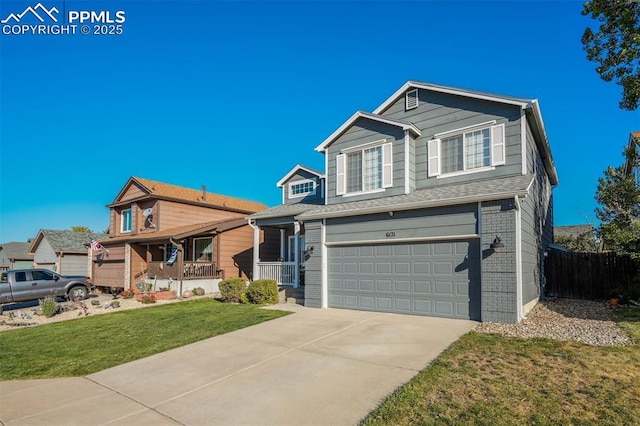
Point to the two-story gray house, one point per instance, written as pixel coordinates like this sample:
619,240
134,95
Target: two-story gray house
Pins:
437,203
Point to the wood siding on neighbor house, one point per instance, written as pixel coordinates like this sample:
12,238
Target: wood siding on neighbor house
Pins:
108,269
236,252
173,214
132,193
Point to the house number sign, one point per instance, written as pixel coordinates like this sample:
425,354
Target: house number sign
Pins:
390,234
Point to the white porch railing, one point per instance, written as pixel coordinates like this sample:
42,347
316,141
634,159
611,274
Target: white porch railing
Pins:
282,272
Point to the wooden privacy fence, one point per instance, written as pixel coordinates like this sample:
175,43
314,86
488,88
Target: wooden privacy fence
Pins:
591,276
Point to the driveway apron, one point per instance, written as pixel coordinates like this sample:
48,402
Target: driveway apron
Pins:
315,367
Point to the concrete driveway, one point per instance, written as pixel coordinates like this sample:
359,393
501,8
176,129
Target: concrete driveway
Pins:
317,366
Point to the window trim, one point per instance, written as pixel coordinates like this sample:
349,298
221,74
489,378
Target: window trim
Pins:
122,221
386,151
302,182
193,255
497,140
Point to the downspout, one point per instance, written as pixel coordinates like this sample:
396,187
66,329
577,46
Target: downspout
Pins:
519,289
256,249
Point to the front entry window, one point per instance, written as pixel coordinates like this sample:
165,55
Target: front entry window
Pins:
203,249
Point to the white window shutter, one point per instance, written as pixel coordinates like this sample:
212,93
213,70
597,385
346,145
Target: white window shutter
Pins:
387,165
341,182
497,145
433,148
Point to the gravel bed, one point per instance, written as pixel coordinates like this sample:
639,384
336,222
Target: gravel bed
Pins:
566,319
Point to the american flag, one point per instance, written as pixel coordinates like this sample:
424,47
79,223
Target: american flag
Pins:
96,246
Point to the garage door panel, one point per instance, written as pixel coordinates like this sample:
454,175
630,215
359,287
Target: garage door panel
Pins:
422,287
402,305
402,287
367,285
421,268
384,285
402,268
435,278
366,268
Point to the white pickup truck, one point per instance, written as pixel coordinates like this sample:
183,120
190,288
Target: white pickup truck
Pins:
32,284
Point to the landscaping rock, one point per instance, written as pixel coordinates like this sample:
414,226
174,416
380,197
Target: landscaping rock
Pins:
565,319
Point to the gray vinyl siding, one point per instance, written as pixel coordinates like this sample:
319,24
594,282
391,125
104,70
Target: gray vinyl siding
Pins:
439,112
435,222
364,132
412,164
74,264
537,226
299,176
44,253
313,265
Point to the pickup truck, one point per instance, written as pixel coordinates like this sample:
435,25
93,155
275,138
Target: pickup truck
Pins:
32,284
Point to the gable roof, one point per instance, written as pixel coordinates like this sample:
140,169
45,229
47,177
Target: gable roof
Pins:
530,106
16,250
404,125
181,231
511,100
293,171
165,191
65,241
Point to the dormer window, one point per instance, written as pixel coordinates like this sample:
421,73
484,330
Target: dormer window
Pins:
302,188
125,220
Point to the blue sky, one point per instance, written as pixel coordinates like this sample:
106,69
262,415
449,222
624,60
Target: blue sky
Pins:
232,95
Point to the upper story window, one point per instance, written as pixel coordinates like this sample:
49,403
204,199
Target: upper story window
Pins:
364,169
302,188
467,150
125,220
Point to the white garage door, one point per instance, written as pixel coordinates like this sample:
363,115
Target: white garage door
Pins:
435,279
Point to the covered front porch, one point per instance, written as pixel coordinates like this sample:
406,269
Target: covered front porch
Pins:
285,239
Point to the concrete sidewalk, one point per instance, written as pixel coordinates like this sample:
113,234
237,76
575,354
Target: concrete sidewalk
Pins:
317,366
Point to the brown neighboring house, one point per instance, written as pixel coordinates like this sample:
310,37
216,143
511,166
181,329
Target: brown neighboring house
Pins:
149,221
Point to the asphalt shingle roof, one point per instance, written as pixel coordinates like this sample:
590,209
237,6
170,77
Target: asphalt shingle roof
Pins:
174,192
17,250
70,241
484,190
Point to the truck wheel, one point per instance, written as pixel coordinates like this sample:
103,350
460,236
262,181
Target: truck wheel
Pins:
78,293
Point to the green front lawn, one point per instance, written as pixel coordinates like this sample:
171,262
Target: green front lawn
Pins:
493,380
86,345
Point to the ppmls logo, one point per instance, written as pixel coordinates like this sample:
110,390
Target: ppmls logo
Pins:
33,11
40,20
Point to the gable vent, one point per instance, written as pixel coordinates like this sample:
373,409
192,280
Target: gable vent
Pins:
411,99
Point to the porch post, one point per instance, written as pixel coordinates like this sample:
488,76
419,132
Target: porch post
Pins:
296,253
283,243
256,250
